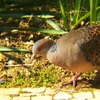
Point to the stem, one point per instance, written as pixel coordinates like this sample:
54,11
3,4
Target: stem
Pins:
82,18
63,13
93,5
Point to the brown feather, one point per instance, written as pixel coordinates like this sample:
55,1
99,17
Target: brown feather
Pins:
78,51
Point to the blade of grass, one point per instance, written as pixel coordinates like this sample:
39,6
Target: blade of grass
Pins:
54,25
68,16
2,48
63,13
68,9
9,15
48,31
93,5
77,9
44,16
42,30
98,17
98,12
82,18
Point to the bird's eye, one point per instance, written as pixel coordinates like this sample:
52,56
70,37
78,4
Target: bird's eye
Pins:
40,48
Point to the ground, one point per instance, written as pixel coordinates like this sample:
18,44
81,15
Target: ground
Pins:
16,70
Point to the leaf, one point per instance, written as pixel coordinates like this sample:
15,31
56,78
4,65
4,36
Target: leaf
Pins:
2,48
63,12
44,16
54,25
48,31
82,18
9,15
77,9
93,5
42,30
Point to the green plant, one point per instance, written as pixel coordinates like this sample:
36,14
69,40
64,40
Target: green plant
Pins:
38,75
78,11
9,49
73,13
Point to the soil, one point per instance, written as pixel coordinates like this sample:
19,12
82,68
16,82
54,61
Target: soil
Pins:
13,62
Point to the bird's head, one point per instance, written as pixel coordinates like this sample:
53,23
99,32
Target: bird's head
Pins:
41,47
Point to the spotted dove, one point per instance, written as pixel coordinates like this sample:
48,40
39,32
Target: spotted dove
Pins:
78,50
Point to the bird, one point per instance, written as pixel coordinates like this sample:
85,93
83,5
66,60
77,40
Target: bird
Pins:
77,51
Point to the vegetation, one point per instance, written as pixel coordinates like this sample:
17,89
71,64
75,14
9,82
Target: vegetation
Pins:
73,12
22,21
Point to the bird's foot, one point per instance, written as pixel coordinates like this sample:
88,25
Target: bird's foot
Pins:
73,80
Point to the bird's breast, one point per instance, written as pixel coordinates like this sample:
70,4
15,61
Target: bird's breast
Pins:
73,62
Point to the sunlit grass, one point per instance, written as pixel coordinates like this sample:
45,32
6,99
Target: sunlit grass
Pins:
42,74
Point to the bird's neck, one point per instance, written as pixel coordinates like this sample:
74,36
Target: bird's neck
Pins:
52,52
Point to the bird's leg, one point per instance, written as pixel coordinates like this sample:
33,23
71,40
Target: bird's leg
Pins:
74,79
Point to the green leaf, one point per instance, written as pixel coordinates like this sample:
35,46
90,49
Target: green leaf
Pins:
63,14
48,31
9,15
54,25
2,48
82,18
45,16
42,30
93,5
77,9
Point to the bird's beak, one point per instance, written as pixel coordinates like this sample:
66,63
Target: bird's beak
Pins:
32,57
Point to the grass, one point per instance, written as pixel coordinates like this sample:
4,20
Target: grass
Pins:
41,74
44,18
72,13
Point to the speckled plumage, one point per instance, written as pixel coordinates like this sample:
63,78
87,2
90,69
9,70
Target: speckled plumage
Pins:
78,50
91,45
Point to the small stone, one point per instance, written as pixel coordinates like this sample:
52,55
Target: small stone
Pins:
96,93
62,96
49,91
30,94
81,99
93,99
9,91
34,90
11,62
21,98
42,98
5,97
25,94
78,99
83,95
